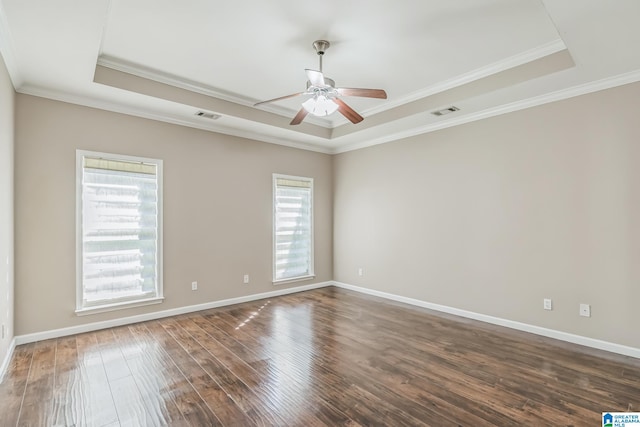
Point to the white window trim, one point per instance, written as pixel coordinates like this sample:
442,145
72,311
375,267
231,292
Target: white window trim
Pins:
80,310
311,274
118,306
293,279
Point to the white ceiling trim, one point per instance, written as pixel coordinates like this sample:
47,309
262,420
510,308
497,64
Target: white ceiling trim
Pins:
583,89
578,90
166,78
211,126
479,73
172,80
8,51
482,72
496,67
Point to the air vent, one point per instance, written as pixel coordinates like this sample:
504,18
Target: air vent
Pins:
207,115
445,111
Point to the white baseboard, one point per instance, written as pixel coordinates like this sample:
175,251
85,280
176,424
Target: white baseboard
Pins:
551,333
7,359
89,327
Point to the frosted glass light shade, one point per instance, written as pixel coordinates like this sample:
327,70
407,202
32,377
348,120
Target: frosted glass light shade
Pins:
320,106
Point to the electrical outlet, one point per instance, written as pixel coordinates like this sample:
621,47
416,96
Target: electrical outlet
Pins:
246,279
360,272
548,305
194,286
585,310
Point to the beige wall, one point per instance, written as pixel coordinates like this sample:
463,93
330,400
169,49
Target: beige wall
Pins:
7,97
217,208
493,216
490,217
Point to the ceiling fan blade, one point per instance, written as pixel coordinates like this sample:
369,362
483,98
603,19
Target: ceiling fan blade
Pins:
315,77
299,117
279,99
366,93
348,112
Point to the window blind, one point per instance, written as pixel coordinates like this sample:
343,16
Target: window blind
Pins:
119,231
293,228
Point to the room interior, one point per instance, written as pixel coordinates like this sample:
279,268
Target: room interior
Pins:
526,191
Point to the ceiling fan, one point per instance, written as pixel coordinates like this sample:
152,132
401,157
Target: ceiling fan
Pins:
325,95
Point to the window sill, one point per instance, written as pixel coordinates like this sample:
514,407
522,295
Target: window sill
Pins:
117,306
293,279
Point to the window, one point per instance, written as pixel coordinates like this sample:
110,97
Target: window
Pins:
293,228
119,231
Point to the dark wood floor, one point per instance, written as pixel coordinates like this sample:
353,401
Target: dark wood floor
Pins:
323,357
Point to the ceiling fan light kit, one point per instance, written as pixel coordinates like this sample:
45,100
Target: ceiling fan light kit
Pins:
320,106
324,99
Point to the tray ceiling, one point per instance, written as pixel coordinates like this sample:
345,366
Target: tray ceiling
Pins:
167,60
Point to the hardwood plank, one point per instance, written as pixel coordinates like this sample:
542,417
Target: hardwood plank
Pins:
319,358
156,394
129,403
231,380
344,386
98,406
273,385
574,406
67,404
150,379
14,384
201,370
209,395
36,406
288,350
191,405
372,371
276,379
115,365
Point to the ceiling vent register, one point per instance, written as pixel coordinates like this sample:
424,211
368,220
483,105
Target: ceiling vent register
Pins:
445,111
206,115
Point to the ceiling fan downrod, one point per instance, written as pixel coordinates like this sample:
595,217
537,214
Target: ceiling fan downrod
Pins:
320,46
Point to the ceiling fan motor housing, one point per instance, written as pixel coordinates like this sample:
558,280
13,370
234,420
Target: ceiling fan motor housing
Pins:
329,82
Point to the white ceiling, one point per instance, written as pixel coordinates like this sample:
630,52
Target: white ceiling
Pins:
165,59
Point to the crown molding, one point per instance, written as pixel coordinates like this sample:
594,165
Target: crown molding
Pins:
172,80
212,126
7,50
193,86
582,89
336,148
166,78
477,74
